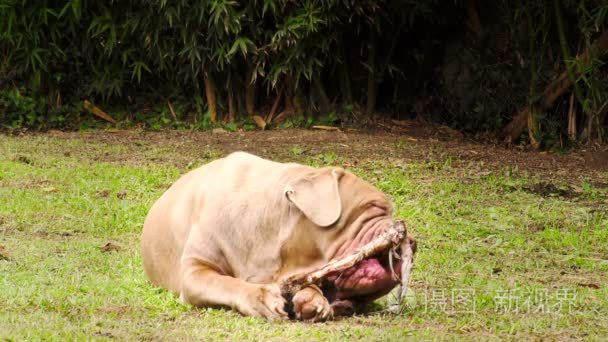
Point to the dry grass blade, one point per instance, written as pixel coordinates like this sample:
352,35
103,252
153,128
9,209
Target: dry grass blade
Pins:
259,121
275,106
172,110
97,111
4,254
326,128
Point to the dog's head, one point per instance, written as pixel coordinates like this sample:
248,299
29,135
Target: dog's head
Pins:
337,213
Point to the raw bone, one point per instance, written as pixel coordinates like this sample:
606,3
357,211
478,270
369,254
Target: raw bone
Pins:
392,238
407,255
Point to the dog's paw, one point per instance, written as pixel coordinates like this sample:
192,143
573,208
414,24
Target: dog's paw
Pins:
309,304
343,308
262,301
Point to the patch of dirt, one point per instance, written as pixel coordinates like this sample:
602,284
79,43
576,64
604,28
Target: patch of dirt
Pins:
596,159
545,189
23,159
4,254
115,309
105,335
110,247
590,285
600,185
52,235
43,185
103,193
408,141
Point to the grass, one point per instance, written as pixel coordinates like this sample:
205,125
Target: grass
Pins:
495,260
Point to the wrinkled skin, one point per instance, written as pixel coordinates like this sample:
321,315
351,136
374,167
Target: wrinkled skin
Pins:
226,234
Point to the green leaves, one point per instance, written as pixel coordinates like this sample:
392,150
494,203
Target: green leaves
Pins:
224,15
313,51
137,67
105,47
242,44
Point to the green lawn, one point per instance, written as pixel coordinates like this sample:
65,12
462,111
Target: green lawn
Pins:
497,258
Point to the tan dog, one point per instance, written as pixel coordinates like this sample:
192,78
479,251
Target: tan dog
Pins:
226,233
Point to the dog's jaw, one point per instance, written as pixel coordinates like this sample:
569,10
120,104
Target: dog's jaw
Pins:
375,275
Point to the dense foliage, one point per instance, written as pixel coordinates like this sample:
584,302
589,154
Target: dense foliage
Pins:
466,63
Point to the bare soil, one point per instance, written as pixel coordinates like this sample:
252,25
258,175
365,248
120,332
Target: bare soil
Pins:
412,143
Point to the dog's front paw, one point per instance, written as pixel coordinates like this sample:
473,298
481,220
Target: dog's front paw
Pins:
262,301
310,304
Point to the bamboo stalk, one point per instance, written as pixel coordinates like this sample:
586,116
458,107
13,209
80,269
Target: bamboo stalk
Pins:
563,42
533,126
345,76
572,120
474,22
320,91
172,110
371,76
275,106
250,91
211,99
298,103
289,89
231,107
554,90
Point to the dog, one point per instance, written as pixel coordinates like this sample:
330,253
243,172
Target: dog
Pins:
227,233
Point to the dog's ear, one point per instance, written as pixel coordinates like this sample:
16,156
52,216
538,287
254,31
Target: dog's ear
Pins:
317,195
